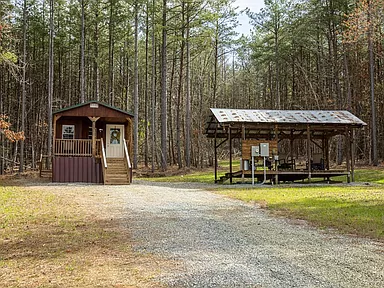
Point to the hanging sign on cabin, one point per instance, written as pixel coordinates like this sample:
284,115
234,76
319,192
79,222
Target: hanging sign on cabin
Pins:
94,105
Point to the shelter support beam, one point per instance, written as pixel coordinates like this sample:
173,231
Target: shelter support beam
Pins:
215,159
353,155
291,145
326,145
242,160
276,165
348,154
230,154
309,156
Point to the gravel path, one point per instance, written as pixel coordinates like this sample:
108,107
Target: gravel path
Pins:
219,242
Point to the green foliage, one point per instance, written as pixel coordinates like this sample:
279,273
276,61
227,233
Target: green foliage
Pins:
8,57
357,210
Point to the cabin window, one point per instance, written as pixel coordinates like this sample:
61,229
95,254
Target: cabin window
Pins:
68,132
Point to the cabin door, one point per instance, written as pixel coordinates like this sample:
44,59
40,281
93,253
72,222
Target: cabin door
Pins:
114,139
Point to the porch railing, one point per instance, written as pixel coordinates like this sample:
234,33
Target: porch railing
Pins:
76,147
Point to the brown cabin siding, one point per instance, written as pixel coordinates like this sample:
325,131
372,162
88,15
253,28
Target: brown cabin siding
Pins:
81,127
76,169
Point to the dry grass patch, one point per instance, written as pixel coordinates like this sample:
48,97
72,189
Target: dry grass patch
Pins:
47,240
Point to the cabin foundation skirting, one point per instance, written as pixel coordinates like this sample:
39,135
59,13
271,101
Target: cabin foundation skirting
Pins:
77,169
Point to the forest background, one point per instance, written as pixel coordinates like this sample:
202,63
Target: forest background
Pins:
170,61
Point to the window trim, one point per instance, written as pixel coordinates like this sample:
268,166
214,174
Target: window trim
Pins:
63,132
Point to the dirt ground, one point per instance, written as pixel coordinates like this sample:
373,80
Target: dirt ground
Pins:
78,241
152,234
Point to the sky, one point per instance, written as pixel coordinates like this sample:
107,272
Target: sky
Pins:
254,6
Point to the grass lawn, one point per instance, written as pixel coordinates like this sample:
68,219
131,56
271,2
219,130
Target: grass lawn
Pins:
49,240
366,175
357,210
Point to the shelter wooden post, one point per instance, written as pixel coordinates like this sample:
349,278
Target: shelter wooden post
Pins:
309,156
215,158
242,157
353,156
348,154
230,154
326,144
93,119
291,145
276,165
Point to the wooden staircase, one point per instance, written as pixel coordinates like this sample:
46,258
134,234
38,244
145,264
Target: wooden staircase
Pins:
117,172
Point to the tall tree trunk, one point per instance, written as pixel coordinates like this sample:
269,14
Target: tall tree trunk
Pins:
146,140
153,90
188,98
164,89
276,34
111,91
82,57
372,87
136,92
23,97
216,56
180,89
50,80
96,57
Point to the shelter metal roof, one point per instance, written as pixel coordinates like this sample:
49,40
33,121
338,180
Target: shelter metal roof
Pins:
286,116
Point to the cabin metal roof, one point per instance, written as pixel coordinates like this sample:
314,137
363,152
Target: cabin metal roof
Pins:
332,117
88,103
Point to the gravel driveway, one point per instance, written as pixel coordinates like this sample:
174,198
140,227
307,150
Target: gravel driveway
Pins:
215,241
219,242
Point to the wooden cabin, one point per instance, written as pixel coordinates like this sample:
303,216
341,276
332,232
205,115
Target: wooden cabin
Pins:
254,128
92,143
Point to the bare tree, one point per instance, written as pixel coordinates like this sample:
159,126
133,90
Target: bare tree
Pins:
50,79
188,96
23,97
82,57
372,86
136,91
164,89
153,89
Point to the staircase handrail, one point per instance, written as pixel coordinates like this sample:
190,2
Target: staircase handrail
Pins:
127,155
103,154
128,161
104,159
